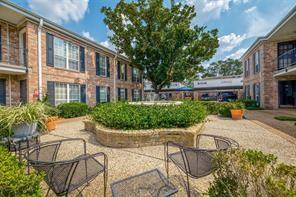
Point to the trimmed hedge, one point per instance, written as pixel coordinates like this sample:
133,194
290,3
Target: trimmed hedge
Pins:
222,108
13,178
126,116
72,110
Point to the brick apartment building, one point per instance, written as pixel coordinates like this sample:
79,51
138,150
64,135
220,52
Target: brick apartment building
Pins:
270,66
39,57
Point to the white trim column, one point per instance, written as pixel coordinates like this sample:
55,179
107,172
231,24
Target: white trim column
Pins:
39,39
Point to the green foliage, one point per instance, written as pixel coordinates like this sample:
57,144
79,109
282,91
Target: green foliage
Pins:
160,39
72,110
51,110
223,68
16,115
285,118
122,115
224,109
221,108
13,178
250,104
251,173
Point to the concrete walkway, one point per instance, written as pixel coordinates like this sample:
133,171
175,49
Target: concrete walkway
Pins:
267,117
126,162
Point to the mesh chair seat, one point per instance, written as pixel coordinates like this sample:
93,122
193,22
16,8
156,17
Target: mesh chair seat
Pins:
64,176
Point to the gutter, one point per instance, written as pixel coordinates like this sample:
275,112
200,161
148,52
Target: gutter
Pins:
39,54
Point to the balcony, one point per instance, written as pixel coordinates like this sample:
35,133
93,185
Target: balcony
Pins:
13,59
286,64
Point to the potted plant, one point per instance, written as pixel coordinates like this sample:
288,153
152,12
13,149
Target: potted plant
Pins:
237,111
22,120
52,115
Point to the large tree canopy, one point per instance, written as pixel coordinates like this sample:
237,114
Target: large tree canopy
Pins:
226,67
160,40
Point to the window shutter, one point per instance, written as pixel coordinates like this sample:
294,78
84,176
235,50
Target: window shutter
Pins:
51,92
118,70
49,49
98,94
133,95
83,93
125,72
108,94
97,64
141,76
141,95
108,67
82,59
126,95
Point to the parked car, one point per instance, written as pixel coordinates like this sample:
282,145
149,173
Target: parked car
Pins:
207,97
227,96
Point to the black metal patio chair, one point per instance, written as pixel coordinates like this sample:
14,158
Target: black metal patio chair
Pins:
194,162
65,176
221,142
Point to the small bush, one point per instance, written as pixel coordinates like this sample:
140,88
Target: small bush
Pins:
285,118
212,106
122,115
224,109
251,173
250,104
51,110
13,178
72,110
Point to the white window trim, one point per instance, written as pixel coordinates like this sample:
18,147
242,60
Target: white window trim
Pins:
68,92
67,56
105,66
106,90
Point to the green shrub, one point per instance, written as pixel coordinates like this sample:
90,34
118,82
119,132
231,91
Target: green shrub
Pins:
122,115
212,106
51,110
285,118
250,104
72,110
224,109
251,173
13,178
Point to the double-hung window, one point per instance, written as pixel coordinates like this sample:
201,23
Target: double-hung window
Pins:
65,93
103,94
136,94
257,62
103,65
66,54
136,75
121,71
122,94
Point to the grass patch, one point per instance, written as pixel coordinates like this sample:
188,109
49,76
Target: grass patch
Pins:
285,118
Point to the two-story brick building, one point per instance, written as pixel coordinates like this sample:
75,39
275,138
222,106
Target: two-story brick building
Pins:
270,66
40,58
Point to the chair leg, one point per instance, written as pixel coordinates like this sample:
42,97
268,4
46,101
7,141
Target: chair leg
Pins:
105,182
47,192
188,186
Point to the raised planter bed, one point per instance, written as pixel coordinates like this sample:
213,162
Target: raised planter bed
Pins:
139,138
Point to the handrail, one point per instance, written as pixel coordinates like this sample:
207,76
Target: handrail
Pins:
12,54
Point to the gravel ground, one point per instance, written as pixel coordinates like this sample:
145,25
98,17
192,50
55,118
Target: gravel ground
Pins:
126,162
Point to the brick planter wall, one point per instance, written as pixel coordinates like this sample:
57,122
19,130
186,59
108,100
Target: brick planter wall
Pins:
139,138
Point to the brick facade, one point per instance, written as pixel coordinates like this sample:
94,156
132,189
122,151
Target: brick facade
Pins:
89,77
269,84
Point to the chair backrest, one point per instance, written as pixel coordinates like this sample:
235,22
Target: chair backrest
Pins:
198,162
44,152
222,143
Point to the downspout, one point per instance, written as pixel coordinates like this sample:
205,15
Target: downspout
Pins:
114,77
40,59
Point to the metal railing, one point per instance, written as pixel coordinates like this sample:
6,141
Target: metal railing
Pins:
287,59
13,54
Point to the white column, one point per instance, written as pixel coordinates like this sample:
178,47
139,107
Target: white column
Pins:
114,77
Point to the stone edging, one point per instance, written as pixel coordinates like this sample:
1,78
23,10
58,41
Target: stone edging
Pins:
66,120
140,138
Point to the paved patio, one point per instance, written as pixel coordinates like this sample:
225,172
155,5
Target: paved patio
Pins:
267,117
127,162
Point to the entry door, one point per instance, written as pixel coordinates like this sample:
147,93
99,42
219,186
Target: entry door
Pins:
23,91
287,92
2,92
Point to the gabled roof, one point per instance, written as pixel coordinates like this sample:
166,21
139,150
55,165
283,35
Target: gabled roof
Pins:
35,17
290,14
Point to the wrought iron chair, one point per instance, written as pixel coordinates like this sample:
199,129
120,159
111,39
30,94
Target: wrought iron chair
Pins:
221,142
65,176
194,162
